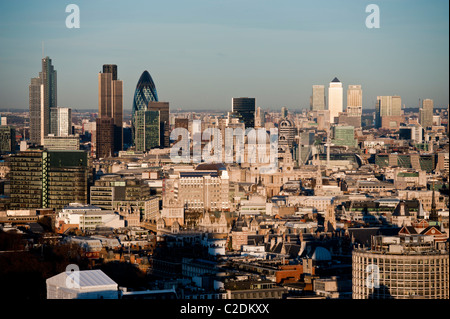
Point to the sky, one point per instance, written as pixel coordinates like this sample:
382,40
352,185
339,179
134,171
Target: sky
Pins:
202,53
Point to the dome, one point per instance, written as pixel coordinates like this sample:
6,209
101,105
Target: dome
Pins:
145,92
321,254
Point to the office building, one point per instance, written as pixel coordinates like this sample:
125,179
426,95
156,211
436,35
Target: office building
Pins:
7,139
110,103
335,99
144,93
344,135
62,143
182,123
245,108
87,217
147,126
354,101
426,113
48,179
163,108
318,99
205,188
104,137
60,121
412,132
388,112
42,97
112,69
130,198
401,267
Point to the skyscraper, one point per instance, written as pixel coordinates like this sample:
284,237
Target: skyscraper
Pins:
163,108
318,100
426,113
147,130
389,108
245,108
112,69
144,93
110,103
104,137
335,99
354,100
60,121
42,96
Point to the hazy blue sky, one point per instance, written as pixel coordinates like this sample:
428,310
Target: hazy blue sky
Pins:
201,53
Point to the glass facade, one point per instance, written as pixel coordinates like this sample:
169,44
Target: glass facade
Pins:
344,136
41,179
245,108
152,129
147,130
144,93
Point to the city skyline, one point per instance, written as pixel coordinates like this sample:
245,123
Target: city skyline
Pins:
203,55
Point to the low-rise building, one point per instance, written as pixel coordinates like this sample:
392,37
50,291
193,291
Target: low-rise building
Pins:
401,267
85,284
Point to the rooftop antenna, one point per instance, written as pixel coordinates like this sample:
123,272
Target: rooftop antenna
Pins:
42,49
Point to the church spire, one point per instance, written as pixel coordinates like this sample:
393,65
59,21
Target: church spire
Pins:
433,214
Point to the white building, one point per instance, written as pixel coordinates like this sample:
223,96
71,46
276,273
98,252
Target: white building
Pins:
88,217
62,143
85,284
61,121
255,205
320,203
88,244
335,99
258,251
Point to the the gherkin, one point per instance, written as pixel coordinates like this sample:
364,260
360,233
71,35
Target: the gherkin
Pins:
145,92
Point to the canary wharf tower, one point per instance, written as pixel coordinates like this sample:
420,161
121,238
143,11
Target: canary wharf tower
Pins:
145,93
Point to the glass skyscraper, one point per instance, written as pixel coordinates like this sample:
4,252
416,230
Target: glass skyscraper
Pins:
42,96
147,130
245,108
144,93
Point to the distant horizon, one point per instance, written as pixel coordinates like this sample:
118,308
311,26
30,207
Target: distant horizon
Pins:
201,54
211,110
